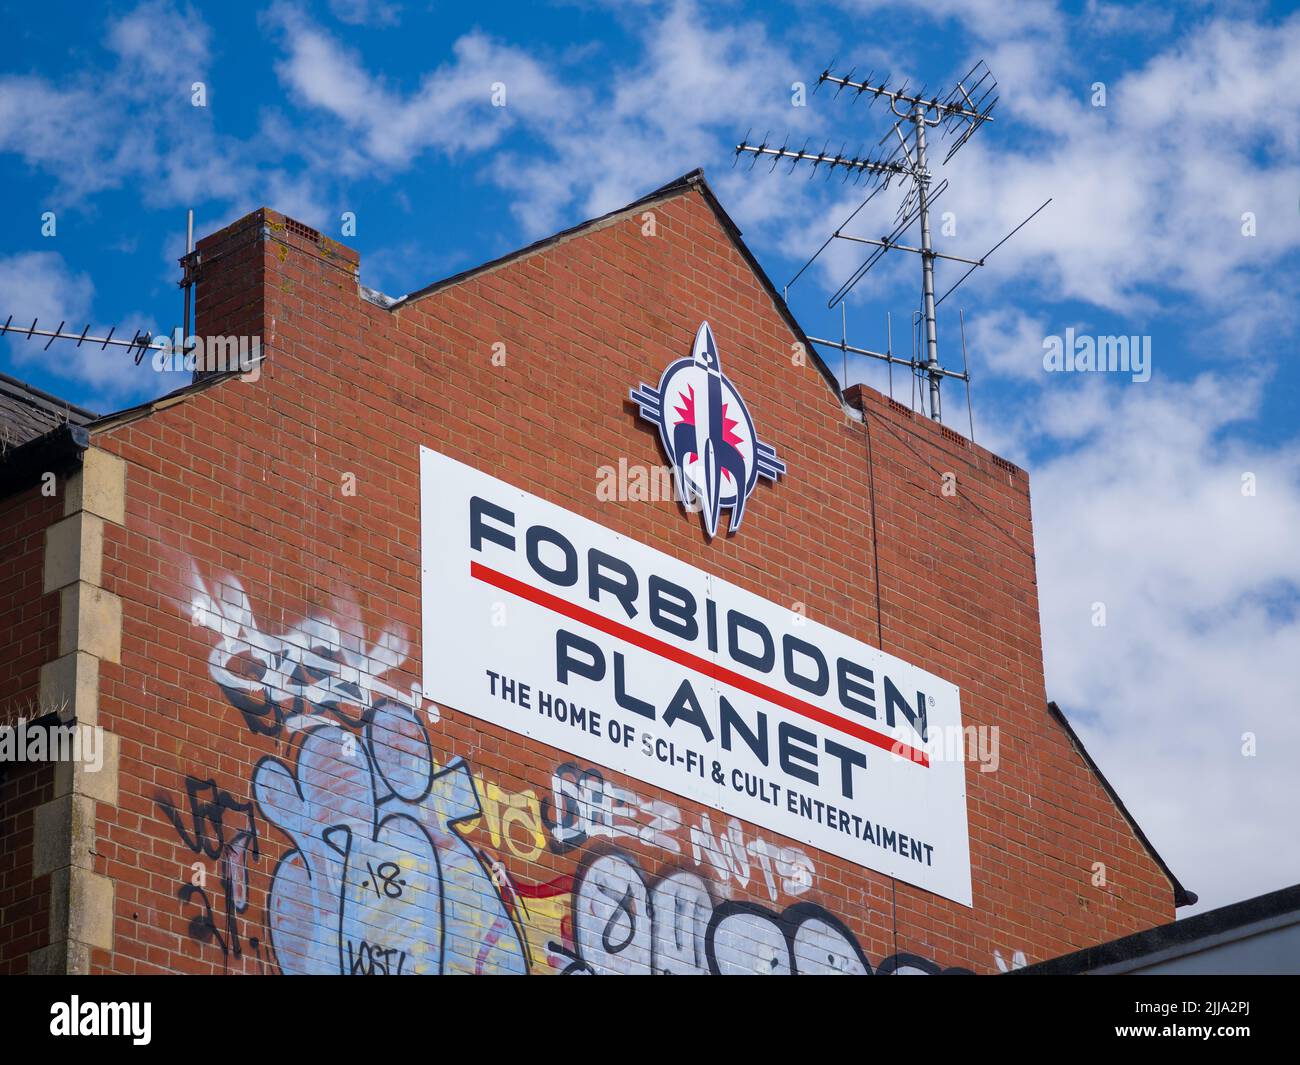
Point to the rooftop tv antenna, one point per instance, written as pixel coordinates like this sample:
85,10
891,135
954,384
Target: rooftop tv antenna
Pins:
902,154
141,341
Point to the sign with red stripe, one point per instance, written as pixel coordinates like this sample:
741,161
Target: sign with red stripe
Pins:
548,624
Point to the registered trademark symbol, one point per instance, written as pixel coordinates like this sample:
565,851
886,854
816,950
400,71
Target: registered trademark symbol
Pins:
931,698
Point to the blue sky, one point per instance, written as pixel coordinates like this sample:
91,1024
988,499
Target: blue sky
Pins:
383,109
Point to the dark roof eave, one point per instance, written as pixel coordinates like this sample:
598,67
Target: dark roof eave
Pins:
58,451
663,192
1182,897
694,179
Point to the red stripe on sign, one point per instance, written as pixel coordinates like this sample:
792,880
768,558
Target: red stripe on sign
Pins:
694,662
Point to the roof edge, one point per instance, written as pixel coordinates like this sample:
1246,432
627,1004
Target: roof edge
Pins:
693,180
1182,897
108,422
664,192
47,400
1165,939
696,178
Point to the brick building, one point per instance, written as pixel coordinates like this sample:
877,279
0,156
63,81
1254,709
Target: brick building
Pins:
259,590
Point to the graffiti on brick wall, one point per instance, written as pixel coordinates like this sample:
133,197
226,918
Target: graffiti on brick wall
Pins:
584,807
397,864
221,828
379,879
624,924
318,668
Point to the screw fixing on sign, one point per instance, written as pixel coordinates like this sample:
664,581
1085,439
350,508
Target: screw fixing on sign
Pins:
708,434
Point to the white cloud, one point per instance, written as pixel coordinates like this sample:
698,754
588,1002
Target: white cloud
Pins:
984,18
41,285
159,41
1127,18
1009,343
38,122
365,12
130,122
451,111
564,139
1142,510
1149,191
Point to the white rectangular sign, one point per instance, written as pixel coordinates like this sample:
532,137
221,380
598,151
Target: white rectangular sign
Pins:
549,625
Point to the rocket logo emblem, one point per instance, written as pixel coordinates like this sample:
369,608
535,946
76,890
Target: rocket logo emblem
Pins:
707,434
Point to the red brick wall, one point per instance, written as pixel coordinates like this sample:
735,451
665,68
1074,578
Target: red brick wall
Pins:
24,898
29,619
29,637
236,502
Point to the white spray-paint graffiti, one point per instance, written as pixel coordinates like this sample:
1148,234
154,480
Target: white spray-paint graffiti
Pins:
379,880
315,668
729,855
624,925
584,807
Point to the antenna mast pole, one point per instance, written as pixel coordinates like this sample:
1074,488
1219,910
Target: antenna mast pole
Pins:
958,114
922,177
